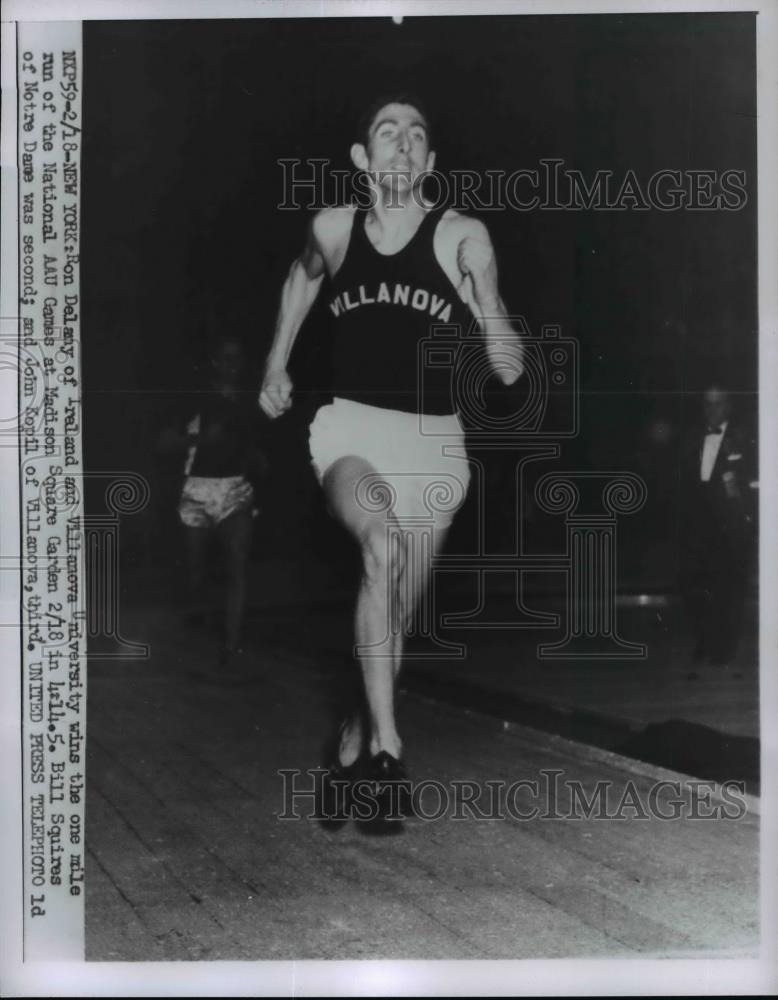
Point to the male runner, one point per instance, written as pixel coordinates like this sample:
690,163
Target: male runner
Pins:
221,452
396,270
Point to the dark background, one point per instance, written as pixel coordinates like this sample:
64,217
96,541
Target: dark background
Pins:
185,122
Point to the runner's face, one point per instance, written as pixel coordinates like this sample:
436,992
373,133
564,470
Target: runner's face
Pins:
228,362
399,149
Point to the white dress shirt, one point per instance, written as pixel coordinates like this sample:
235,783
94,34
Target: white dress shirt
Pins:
710,451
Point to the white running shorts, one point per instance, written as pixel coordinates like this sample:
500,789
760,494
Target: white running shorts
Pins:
207,500
420,460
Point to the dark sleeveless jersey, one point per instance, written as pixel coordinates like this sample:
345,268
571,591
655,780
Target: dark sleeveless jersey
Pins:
385,308
238,423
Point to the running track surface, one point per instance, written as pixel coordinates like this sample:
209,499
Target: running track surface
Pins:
188,860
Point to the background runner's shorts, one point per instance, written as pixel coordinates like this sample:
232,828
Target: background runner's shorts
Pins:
206,500
422,459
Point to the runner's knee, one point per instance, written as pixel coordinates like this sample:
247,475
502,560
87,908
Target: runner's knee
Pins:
382,557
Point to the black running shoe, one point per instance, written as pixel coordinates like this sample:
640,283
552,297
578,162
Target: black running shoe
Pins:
335,799
334,805
386,787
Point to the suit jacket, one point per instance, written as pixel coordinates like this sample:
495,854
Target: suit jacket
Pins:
711,505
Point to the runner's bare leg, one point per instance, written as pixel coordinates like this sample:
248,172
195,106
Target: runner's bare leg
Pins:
196,552
235,537
414,581
377,603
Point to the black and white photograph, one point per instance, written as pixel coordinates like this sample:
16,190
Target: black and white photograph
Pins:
408,368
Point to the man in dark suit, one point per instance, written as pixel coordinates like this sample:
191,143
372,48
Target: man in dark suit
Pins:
717,528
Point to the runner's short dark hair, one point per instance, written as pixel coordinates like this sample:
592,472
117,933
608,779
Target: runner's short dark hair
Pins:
400,97
218,340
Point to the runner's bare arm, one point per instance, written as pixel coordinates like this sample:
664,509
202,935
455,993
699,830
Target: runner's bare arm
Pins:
297,296
478,266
